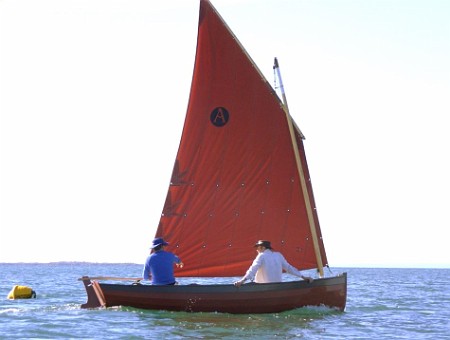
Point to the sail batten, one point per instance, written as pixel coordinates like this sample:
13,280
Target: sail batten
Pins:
236,174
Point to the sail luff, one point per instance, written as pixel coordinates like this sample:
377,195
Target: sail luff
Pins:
308,204
301,174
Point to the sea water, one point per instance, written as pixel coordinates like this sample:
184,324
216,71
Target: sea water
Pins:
381,304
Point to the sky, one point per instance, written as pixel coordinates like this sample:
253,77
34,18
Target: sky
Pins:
93,95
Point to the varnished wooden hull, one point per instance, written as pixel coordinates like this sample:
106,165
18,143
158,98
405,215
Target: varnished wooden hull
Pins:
249,298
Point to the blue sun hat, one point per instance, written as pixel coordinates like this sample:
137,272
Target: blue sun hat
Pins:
158,242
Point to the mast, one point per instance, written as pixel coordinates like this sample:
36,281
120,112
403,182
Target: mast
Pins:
301,173
276,69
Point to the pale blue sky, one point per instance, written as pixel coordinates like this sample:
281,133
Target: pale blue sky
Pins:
92,102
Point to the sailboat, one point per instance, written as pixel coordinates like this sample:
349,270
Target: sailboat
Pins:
240,175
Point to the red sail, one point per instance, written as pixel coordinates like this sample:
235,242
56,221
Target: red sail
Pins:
235,178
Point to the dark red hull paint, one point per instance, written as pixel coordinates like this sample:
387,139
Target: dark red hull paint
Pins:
249,298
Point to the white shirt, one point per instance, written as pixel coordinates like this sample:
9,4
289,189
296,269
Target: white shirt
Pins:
268,267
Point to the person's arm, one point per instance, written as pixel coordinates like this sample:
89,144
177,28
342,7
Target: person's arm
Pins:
146,272
251,272
294,271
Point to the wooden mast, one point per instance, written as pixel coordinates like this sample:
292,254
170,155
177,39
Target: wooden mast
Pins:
301,173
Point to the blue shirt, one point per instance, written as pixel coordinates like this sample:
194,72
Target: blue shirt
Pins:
159,266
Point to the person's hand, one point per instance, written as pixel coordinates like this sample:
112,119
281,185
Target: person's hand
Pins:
307,278
239,283
180,265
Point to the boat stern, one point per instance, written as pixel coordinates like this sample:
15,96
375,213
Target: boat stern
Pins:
94,293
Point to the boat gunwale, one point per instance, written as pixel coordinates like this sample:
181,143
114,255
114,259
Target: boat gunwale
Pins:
249,287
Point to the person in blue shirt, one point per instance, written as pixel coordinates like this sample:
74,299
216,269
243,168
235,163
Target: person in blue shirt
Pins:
159,264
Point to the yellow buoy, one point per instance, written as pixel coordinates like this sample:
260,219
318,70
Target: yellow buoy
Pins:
21,292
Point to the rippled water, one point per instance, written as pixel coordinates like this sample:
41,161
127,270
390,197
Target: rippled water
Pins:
382,304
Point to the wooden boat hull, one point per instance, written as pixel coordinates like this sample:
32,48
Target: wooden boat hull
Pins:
249,298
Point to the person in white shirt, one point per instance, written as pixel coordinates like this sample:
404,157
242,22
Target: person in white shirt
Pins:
268,266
